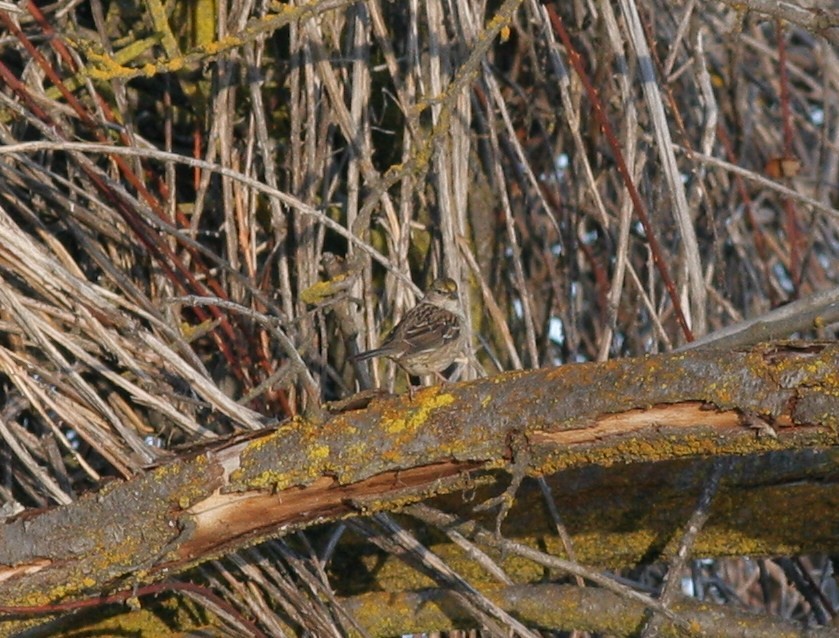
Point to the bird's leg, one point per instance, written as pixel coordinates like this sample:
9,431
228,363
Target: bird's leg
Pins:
407,379
455,375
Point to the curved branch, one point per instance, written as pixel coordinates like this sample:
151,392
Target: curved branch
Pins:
264,484
822,22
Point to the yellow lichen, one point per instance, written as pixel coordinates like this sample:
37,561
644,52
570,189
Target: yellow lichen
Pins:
419,416
320,291
319,452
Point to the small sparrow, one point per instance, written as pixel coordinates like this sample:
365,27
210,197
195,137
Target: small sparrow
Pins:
431,335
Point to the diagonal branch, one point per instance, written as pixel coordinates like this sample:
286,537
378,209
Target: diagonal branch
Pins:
264,484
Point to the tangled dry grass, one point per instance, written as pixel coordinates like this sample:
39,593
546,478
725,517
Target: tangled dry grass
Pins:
208,207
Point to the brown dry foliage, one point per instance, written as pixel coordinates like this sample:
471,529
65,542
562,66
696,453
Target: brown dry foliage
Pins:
205,212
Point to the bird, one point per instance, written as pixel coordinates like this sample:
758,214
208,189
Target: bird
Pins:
431,335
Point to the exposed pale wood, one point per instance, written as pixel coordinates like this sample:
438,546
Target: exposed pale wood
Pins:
577,418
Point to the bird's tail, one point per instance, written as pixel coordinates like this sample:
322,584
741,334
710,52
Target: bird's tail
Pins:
369,354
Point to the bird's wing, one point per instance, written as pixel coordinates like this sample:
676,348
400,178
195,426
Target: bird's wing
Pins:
426,328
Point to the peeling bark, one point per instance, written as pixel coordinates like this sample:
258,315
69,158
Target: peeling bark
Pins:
612,431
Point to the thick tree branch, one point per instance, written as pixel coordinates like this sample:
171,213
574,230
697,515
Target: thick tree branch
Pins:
816,310
564,607
673,408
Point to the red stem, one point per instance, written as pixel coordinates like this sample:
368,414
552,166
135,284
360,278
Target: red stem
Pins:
600,116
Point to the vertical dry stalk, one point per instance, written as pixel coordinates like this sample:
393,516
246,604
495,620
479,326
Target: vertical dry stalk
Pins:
204,212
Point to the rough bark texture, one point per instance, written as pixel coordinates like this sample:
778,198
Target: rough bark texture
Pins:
566,607
626,444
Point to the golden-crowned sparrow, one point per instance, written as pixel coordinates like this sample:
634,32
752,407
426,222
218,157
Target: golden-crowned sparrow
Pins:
431,335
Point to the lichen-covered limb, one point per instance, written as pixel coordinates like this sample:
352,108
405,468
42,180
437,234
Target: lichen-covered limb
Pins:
639,429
